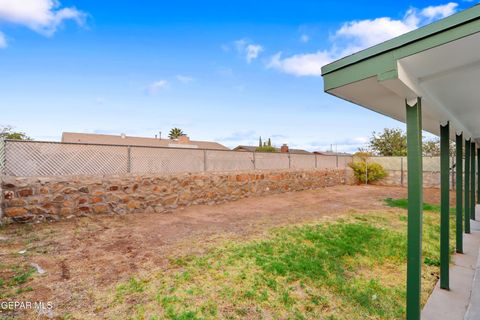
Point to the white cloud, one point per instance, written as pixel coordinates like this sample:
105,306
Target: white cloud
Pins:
366,33
3,40
438,12
253,50
354,36
250,50
304,38
158,86
240,44
184,79
309,64
42,16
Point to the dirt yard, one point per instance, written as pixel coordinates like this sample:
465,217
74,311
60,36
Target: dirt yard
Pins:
86,255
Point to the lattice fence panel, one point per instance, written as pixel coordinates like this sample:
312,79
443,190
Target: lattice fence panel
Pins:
163,160
29,158
2,156
39,158
271,161
229,160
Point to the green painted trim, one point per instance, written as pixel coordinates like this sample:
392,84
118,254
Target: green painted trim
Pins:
415,209
472,182
459,193
383,64
430,30
388,75
468,149
444,205
369,68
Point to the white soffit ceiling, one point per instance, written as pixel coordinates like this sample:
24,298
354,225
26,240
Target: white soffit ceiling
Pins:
448,79
389,98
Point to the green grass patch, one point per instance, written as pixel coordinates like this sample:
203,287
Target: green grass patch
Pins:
431,254
349,269
133,286
13,280
403,203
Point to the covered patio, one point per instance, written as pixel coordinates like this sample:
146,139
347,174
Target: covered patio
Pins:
428,79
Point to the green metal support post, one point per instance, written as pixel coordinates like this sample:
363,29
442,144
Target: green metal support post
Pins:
415,208
472,181
444,204
467,185
459,192
478,175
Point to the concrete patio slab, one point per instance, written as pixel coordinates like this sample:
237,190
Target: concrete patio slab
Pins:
473,311
455,304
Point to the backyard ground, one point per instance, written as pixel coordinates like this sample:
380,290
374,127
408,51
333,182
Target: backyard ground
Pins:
255,258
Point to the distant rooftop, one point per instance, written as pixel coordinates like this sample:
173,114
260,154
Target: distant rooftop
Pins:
122,139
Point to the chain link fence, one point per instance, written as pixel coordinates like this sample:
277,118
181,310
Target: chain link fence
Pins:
50,159
2,155
151,160
40,158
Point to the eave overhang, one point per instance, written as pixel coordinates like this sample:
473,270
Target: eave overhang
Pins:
439,62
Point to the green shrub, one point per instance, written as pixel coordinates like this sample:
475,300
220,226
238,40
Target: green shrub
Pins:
374,171
266,148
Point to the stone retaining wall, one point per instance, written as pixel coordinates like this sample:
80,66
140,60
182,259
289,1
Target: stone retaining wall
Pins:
54,198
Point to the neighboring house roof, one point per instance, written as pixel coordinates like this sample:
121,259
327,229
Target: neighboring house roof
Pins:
73,137
331,153
245,148
254,148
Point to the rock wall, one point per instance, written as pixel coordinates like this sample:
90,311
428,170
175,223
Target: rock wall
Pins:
54,198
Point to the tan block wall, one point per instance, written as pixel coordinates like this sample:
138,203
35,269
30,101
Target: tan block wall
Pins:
431,179
54,198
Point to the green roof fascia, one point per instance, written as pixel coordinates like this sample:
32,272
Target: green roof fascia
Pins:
381,60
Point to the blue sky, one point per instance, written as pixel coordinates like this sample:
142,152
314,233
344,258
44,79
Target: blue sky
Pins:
225,71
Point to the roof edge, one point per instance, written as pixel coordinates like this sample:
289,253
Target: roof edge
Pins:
439,26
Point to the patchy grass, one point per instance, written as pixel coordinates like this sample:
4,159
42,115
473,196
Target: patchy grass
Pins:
131,287
403,203
353,268
14,280
431,257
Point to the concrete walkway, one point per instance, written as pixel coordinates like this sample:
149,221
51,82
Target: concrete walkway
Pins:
462,301
473,311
